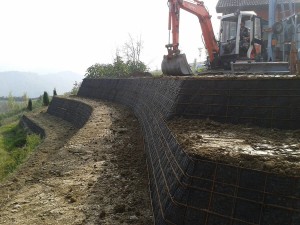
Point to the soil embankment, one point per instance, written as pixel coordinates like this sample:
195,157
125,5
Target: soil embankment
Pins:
251,147
94,175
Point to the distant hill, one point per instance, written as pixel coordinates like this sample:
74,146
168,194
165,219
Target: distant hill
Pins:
34,84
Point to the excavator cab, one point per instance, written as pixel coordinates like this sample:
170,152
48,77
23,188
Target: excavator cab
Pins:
240,37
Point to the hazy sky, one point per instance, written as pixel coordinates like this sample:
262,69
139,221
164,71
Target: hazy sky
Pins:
55,35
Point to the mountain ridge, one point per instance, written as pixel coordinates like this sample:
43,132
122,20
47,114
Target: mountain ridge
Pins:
33,84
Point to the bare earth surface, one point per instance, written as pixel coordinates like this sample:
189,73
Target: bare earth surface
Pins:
95,175
270,150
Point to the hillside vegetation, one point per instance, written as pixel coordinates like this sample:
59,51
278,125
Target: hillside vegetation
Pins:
12,110
15,143
15,146
3,107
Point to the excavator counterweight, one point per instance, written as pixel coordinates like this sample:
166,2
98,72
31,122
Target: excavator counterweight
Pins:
177,65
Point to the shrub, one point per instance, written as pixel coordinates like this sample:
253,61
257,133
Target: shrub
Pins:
29,106
45,99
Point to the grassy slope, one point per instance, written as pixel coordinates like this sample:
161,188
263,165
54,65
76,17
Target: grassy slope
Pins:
15,143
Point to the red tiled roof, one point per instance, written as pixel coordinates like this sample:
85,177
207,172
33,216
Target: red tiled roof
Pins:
233,5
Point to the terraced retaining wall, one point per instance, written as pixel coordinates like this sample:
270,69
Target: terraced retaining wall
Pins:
73,111
265,102
186,190
32,126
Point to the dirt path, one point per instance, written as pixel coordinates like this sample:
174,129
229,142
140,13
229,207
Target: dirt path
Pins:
95,175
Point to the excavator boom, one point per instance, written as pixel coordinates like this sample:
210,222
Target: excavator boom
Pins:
175,63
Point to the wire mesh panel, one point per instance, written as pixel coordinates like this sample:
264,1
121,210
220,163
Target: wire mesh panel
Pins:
273,102
32,125
188,190
73,111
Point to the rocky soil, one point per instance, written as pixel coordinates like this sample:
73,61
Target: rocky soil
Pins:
271,150
94,175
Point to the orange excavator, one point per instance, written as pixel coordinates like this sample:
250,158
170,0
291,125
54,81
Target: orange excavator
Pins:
175,63
231,46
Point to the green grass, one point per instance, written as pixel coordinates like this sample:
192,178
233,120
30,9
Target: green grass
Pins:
15,147
15,144
16,113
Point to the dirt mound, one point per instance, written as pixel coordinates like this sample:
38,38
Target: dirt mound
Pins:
95,175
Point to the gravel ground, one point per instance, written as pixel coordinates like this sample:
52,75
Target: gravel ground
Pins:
94,175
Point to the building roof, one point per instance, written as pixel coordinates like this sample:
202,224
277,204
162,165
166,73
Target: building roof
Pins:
228,6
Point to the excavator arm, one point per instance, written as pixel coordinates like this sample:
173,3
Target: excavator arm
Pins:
175,63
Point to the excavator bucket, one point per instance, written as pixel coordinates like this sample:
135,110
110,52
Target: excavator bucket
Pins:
176,66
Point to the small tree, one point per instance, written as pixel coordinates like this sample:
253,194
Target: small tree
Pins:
29,106
120,68
54,92
11,101
75,88
45,99
132,50
24,99
124,66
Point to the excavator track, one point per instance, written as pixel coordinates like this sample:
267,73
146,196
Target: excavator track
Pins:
176,66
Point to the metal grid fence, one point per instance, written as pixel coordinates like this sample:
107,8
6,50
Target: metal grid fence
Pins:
187,190
73,111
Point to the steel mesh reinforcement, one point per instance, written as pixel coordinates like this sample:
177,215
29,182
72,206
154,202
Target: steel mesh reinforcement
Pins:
73,111
193,190
32,126
273,103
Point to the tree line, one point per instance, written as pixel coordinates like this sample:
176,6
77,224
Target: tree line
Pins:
14,105
126,62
